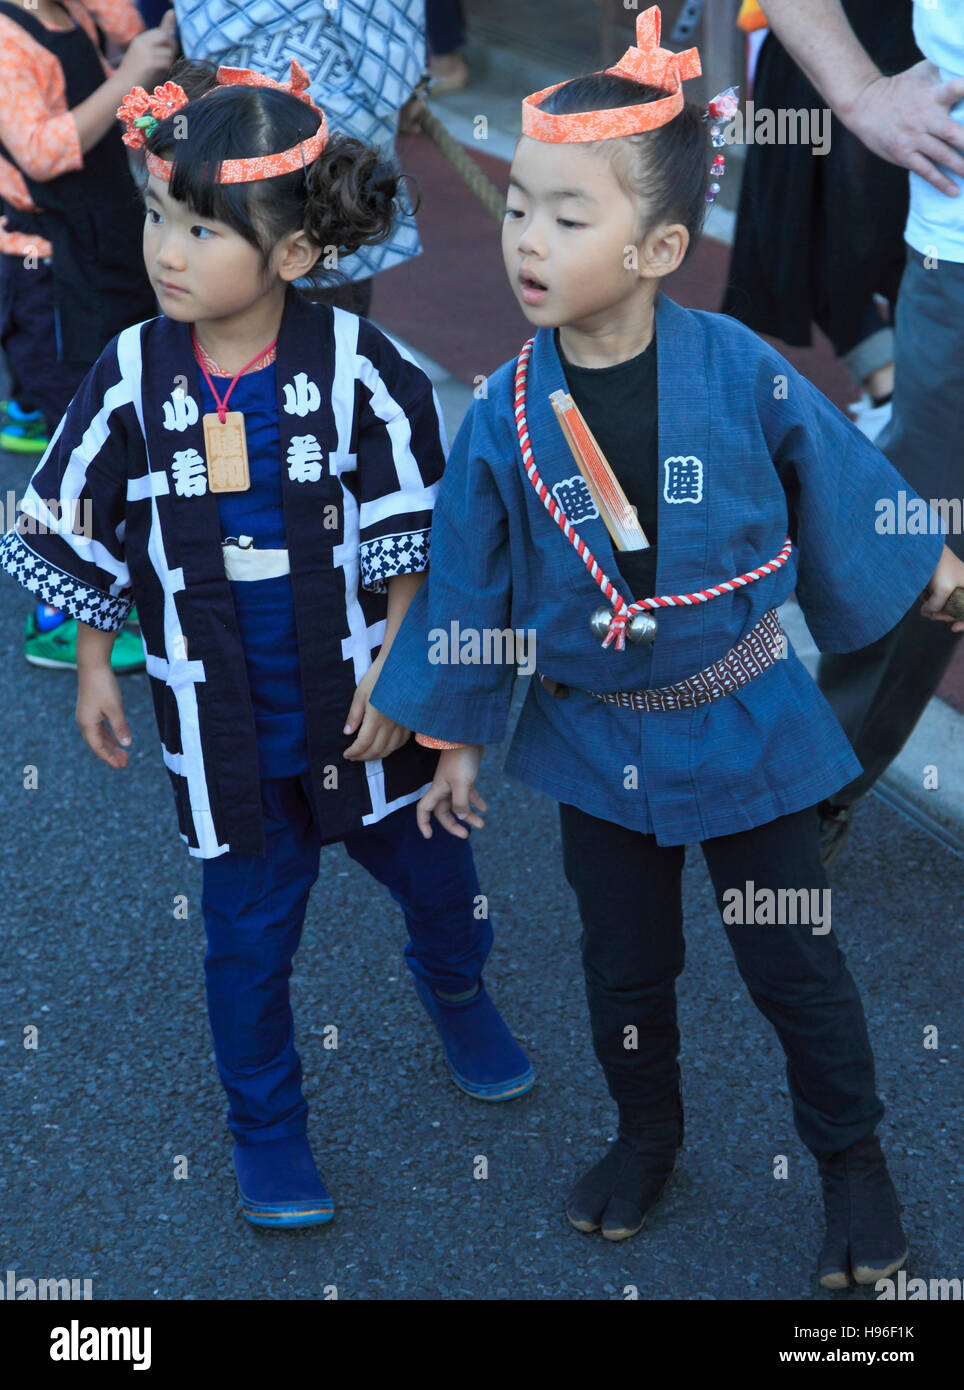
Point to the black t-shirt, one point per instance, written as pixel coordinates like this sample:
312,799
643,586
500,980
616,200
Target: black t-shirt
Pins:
619,406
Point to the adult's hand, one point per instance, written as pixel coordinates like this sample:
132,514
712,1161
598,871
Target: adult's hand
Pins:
149,56
904,119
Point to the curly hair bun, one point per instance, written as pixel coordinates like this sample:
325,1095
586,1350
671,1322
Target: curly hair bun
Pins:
381,186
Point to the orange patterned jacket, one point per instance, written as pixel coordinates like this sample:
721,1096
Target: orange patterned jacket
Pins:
35,125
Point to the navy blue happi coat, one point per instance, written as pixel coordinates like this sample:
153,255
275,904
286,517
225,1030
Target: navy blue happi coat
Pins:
119,511
749,452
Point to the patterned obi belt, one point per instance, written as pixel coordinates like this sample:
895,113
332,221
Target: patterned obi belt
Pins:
756,652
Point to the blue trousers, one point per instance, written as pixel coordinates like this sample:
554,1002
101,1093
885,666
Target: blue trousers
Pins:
254,910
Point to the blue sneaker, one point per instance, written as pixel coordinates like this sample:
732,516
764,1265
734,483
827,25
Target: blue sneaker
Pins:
484,1058
279,1185
22,431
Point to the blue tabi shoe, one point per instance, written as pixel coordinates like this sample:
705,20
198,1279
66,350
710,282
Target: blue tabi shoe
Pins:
484,1058
279,1185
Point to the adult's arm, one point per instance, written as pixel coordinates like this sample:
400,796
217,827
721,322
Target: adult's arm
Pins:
902,118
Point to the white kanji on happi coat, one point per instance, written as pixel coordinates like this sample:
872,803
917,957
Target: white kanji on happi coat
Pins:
684,479
575,499
302,396
180,412
304,459
190,475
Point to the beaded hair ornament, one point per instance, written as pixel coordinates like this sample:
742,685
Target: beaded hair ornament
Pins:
647,63
141,114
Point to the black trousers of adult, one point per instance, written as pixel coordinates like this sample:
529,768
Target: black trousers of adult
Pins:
630,901
880,692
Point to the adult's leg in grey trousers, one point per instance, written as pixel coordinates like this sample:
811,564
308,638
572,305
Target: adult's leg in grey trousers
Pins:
879,692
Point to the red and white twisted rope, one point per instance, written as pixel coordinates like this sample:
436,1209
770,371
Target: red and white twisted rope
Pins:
623,613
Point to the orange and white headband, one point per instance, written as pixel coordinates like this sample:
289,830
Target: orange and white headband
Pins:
646,63
142,113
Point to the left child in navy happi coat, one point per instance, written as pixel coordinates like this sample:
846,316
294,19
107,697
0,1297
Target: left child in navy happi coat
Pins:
269,592
362,453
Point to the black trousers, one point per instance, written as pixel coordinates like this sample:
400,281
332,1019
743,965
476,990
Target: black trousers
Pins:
630,901
880,692
30,336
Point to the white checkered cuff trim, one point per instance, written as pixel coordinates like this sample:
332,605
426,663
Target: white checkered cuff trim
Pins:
51,585
386,556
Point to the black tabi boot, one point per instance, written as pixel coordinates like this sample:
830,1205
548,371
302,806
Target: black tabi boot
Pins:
864,1234
618,1192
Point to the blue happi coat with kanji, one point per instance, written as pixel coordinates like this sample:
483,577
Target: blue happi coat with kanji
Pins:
749,452
119,511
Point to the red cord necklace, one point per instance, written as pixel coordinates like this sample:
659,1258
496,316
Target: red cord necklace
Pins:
225,442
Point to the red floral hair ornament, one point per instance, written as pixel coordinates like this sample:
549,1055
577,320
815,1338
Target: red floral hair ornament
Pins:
142,112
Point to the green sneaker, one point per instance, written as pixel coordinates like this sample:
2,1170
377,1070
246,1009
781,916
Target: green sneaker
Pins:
58,647
22,432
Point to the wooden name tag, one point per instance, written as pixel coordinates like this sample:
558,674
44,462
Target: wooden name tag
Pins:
227,452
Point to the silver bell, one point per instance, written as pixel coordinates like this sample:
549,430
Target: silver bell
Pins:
642,628
600,620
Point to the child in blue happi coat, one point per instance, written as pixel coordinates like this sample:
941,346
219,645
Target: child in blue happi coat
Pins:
258,474
701,725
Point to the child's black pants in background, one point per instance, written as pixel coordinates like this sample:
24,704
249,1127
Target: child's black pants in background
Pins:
630,901
30,338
